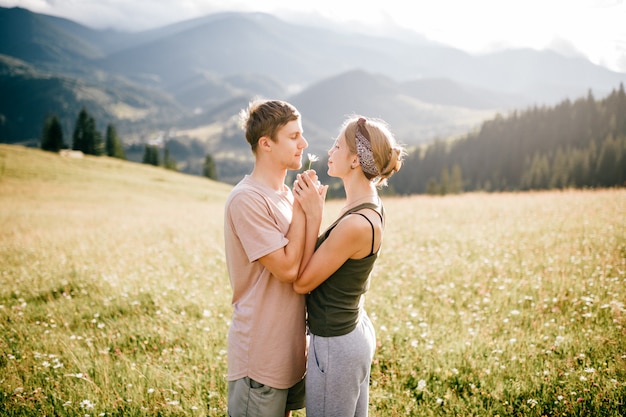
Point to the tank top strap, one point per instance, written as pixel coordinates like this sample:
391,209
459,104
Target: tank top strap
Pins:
376,209
372,226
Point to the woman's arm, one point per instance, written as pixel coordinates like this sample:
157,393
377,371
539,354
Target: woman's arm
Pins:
314,214
285,262
351,238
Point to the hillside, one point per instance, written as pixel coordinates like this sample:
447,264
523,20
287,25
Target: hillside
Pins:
576,144
41,176
29,95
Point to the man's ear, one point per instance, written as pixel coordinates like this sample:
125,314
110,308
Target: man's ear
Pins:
265,144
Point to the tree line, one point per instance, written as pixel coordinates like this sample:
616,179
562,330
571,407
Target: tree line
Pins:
87,139
573,144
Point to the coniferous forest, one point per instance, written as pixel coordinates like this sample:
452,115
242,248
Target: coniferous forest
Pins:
575,144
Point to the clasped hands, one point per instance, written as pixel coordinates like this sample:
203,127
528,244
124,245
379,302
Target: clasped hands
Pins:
309,192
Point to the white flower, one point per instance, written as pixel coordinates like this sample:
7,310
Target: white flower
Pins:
86,404
312,158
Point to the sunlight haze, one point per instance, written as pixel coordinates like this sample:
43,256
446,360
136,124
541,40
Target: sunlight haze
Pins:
594,29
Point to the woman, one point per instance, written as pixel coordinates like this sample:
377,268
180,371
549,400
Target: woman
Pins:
335,271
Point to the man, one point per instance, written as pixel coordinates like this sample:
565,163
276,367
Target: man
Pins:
264,232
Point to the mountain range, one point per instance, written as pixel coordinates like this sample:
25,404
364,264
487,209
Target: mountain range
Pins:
188,76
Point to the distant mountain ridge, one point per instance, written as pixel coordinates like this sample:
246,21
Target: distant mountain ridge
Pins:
193,72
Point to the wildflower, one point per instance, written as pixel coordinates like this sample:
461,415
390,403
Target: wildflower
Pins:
421,385
86,404
312,158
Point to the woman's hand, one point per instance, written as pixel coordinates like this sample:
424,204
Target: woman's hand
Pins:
310,193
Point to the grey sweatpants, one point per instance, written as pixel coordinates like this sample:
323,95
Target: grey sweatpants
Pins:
337,379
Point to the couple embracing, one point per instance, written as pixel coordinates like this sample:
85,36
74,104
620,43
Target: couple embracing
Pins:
288,280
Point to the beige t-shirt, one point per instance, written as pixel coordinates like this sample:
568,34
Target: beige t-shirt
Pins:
266,339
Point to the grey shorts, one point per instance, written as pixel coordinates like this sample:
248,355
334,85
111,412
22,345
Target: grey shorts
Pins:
248,398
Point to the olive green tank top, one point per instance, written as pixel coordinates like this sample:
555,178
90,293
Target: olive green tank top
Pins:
335,306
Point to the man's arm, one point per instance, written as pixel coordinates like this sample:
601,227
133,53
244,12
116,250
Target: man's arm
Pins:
284,263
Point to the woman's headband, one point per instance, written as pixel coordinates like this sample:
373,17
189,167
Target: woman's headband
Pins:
364,149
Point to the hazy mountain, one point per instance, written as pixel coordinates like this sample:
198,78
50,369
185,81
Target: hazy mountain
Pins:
446,92
41,39
295,55
328,102
195,72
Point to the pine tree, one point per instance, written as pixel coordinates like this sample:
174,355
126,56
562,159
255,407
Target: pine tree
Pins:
113,144
578,162
86,138
96,144
456,180
209,169
560,171
432,187
52,135
607,167
539,173
168,161
79,138
444,184
151,155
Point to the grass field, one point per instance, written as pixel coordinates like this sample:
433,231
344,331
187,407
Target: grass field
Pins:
114,297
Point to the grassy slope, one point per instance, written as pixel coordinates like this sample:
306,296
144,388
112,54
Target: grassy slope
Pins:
114,296
110,256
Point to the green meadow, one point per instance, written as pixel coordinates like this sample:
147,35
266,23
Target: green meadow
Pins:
115,301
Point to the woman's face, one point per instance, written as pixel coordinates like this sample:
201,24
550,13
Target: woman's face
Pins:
340,159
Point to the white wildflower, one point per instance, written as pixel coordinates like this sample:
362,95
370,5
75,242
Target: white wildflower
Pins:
312,158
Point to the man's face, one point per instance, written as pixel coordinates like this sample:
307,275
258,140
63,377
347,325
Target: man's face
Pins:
289,145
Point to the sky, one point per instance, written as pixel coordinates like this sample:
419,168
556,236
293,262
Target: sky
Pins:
595,29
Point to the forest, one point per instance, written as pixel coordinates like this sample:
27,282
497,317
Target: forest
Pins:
579,144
